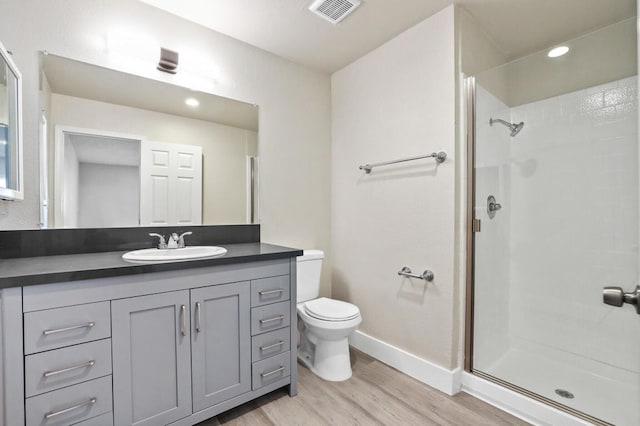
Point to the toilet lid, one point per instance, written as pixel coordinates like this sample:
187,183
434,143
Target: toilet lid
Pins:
331,310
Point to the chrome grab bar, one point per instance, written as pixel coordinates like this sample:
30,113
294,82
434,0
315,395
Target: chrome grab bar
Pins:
426,275
278,318
74,327
267,292
51,414
277,370
275,345
439,156
65,370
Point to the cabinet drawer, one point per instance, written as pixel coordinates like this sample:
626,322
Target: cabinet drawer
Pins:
271,370
56,328
105,419
55,369
269,290
70,405
270,344
270,317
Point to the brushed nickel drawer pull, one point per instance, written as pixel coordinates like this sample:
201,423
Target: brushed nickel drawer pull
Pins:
75,327
183,316
275,345
267,292
65,370
198,328
278,318
51,414
277,370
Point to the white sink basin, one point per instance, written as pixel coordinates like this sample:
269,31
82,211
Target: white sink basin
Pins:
173,255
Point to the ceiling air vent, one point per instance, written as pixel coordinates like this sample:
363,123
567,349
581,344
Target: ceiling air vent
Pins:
334,11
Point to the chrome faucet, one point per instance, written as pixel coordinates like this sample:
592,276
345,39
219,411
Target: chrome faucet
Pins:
175,240
161,243
181,238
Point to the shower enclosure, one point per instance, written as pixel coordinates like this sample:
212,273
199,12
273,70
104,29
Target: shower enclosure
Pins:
555,213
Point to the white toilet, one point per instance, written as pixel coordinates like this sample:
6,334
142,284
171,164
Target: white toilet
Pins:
324,324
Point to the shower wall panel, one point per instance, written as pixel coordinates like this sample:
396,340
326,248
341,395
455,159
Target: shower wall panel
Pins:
574,228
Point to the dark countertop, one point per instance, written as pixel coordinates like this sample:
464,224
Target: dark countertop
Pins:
72,267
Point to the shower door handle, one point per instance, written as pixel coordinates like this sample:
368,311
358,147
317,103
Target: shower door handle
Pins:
615,296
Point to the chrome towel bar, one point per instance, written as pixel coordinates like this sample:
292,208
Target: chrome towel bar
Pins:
426,275
439,156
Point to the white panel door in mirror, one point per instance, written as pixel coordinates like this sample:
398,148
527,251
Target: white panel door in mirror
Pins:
171,184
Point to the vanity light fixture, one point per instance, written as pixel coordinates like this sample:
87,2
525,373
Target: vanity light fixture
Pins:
558,51
137,52
168,61
192,102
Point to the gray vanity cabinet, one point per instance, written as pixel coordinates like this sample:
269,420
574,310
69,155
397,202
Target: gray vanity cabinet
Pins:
151,359
221,343
170,348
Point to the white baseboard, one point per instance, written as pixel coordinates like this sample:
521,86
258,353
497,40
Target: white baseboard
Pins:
521,406
447,381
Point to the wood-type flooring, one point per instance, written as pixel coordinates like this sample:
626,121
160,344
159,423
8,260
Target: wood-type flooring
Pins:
376,394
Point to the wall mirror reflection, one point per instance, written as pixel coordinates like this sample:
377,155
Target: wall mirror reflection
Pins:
126,151
10,129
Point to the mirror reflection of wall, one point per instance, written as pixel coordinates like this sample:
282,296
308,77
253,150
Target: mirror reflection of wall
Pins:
4,129
84,96
4,154
10,130
101,184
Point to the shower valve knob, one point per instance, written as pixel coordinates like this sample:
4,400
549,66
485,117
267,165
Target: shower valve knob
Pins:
615,296
492,206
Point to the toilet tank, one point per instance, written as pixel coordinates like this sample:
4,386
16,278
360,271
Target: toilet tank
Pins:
308,267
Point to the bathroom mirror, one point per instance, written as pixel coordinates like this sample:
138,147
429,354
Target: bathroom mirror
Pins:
118,145
10,129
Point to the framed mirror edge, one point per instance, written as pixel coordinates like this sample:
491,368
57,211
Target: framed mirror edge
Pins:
17,194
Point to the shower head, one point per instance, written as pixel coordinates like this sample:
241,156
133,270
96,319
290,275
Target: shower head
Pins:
514,127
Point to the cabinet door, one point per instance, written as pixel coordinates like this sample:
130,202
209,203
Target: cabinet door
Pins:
221,343
151,359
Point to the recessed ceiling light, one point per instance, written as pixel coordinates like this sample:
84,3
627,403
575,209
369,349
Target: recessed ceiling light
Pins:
558,51
192,102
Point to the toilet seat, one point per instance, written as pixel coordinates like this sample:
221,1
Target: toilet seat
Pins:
326,309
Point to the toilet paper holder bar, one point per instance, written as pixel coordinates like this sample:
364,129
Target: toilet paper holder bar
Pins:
427,275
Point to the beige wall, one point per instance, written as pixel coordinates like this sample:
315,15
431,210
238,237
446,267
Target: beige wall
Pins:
295,105
224,147
398,101
478,52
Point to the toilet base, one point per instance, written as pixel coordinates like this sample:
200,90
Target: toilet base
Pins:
328,360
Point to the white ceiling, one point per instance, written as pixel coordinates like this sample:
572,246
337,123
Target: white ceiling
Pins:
103,150
286,28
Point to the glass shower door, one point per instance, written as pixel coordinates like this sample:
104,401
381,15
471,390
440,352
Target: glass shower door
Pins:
557,194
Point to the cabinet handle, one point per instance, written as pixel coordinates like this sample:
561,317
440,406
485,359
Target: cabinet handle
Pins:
275,345
51,414
65,370
267,292
75,327
277,370
183,316
278,318
198,317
